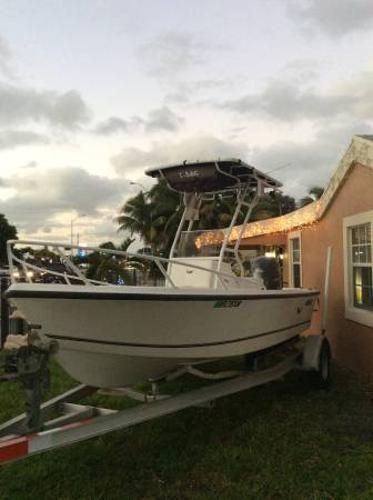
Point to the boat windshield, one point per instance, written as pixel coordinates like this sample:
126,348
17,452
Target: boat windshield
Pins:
202,243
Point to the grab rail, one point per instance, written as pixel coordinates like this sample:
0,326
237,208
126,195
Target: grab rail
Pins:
59,248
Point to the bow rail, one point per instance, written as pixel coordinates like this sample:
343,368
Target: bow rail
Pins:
75,275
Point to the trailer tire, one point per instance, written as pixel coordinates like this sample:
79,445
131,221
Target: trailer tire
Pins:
320,377
251,362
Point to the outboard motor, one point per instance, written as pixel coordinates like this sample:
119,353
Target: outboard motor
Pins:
269,270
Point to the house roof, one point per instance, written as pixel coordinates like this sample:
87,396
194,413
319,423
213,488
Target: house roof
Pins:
359,151
368,137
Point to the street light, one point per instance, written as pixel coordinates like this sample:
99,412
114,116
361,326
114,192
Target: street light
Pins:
72,230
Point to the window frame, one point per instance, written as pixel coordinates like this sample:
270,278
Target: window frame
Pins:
293,236
358,314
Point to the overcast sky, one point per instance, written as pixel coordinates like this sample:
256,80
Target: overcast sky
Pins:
94,91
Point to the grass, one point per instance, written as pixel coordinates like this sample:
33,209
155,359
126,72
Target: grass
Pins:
280,441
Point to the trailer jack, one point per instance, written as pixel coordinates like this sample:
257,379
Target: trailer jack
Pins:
28,365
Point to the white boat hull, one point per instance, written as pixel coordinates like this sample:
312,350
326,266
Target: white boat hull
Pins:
116,336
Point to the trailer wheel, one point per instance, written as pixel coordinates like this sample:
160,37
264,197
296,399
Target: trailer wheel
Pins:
320,376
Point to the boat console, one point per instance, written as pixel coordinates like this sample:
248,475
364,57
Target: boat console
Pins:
216,250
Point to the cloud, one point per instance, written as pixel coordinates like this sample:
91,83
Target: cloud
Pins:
171,54
10,139
200,91
287,102
112,125
192,148
21,104
303,164
179,96
302,70
163,119
5,58
30,164
160,119
71,189
334,18
290,102
104,229
308,163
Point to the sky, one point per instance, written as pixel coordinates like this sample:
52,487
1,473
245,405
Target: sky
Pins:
93,92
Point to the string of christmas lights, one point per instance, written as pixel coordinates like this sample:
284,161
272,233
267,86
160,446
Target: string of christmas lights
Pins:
302,217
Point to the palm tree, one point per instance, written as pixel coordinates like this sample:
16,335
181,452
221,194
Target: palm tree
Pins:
216,213
273,204
125,244
110,267
153,216
167,209
314,193
7,232
137,217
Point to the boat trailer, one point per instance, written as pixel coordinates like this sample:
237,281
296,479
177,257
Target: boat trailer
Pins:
63,421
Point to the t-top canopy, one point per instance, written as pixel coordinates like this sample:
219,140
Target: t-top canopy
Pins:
212,176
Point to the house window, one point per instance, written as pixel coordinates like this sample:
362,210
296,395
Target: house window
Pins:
295,261
361,264
358,241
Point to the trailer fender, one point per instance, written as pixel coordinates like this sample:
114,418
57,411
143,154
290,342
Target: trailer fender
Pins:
311,352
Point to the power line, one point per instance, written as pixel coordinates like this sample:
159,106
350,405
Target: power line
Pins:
279,168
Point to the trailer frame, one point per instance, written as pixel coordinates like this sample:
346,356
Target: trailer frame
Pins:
80,422
76,422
